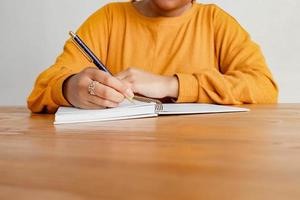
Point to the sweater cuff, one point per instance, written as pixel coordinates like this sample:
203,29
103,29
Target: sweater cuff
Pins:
57,91
188,88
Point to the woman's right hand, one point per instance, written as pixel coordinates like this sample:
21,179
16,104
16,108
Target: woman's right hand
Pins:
109,91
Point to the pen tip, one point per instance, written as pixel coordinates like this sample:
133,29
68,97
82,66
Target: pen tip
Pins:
130,99
72,34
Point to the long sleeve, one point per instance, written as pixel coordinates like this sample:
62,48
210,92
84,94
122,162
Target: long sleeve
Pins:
47,94
241,76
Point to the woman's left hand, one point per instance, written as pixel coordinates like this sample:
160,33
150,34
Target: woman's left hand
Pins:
150,85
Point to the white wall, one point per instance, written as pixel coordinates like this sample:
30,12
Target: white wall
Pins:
32,34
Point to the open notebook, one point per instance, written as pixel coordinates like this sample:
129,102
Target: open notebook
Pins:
138,109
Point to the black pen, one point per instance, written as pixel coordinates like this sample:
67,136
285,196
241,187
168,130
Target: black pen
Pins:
91,56
88,53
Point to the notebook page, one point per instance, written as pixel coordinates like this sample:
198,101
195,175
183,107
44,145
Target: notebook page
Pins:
126,110
125,104
196,108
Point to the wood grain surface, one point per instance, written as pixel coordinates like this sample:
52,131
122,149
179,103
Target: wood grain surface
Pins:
253,155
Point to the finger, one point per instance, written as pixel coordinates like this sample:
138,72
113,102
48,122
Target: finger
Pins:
100,102
129,83
108,93
122,75
94,102
87,104
90,105
111,82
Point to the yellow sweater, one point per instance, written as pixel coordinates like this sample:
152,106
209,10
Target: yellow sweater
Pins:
213,57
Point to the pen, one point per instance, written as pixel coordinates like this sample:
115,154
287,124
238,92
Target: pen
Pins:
88,53
91,56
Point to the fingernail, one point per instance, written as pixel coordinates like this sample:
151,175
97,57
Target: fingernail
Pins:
129,93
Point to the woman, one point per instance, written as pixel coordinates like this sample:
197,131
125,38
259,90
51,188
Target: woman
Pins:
175,49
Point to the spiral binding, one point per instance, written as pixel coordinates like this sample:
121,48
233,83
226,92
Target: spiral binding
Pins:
158,104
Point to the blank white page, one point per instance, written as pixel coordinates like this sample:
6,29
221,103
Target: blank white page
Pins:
124,111
196,108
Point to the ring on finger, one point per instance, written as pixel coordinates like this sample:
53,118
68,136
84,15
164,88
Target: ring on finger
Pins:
92,87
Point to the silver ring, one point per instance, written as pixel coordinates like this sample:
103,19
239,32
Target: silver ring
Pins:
92,87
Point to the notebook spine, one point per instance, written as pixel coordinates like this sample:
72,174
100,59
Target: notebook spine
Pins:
158,106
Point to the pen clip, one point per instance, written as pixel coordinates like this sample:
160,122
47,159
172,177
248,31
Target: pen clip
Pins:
85,54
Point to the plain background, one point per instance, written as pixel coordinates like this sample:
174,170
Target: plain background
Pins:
33,33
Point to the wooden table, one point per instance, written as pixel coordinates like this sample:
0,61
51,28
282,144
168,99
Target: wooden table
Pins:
253,155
